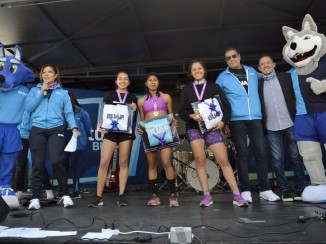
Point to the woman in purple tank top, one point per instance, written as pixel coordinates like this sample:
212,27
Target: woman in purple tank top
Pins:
153,105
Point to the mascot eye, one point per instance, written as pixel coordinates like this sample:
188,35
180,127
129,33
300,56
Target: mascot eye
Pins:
13,68
306,38
2,66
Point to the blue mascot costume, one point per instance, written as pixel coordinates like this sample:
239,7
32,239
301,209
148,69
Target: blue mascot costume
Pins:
12,100
305,51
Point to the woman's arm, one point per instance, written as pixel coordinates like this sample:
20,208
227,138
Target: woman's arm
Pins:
184,112
167,98
140,103
33,100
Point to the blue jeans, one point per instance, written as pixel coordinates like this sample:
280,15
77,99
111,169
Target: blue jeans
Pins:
254,130
276,141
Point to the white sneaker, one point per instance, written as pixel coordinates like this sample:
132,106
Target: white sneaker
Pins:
9,196
35,204
49,194
246,195
67,202
19,195
269,196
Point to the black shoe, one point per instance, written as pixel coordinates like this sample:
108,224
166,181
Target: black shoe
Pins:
75,195
59,195
121,202
85,191
98,201
298,195
286,196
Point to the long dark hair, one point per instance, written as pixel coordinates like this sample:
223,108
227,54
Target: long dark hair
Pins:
74,102
148,95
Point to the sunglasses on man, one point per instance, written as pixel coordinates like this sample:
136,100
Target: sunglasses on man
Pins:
228,58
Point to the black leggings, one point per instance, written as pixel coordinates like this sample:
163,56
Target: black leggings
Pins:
40,140
21,166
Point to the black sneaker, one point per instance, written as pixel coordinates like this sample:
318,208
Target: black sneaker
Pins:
298,195
286,196
98,201
121,202
59,195
86,191
75,195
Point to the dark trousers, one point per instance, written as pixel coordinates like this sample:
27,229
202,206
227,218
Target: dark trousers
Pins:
40,140
71,163
253,129
21,168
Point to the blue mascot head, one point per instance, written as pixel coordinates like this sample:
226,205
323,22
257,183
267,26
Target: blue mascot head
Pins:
12,71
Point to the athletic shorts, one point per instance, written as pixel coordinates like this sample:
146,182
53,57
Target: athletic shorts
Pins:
9,138
118,137
310,127
210,138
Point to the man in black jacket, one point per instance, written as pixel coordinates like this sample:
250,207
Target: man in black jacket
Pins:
278,105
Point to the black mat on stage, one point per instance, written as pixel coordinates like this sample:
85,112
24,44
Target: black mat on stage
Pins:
261,222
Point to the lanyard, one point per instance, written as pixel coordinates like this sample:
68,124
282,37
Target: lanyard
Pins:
124,97
200,97
154,103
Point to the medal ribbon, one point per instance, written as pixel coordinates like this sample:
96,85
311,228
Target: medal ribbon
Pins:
124,97
200,97
154,104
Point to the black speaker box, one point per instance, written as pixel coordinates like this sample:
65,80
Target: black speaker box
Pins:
4,209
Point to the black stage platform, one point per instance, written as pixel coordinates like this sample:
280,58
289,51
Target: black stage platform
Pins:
261,222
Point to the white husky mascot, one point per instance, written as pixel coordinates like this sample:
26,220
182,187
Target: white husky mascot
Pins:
305,51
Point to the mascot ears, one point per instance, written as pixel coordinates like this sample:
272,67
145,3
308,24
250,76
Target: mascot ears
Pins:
307,24
12,70
17,55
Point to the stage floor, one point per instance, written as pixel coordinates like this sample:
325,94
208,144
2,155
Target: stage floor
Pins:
261,222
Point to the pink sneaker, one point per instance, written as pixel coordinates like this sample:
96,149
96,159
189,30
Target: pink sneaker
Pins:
154,201
239,201
173,201
207,200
